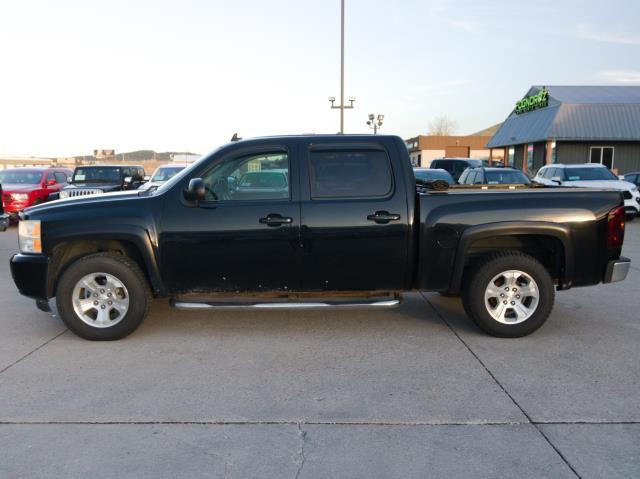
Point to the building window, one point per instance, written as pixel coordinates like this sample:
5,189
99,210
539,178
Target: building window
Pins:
554,152
511,156
530,165
419,159
602,155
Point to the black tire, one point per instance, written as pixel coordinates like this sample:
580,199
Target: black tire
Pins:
476,282
127,272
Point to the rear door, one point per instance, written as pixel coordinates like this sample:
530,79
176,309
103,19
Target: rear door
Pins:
354,225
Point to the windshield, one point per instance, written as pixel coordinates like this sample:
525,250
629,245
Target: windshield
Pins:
506,177
433,174
167,185
97,174
20,177
588,174
165,173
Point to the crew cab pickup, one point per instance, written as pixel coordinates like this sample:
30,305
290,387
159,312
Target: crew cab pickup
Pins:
338,222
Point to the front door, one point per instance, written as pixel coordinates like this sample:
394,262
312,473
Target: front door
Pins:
245,236
354,231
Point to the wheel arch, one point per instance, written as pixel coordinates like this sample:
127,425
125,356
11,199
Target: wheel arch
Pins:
550,243
136,246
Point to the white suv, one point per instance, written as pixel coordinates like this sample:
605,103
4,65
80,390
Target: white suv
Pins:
591,175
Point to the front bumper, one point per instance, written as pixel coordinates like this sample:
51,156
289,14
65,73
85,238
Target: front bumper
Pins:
4,222
29,272
617,270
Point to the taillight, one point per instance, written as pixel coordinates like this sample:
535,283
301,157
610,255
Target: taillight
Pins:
615,231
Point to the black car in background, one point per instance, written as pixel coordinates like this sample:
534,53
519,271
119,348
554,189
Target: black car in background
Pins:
455,166
432,174
493,176
94,180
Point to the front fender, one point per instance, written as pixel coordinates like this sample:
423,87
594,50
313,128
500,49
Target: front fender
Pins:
140,237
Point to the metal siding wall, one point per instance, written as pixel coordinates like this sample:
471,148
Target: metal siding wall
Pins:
626,156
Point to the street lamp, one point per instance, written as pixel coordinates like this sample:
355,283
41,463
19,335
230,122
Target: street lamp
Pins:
332,99
375,122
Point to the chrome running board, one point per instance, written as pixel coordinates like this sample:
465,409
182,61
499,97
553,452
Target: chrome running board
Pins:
379,303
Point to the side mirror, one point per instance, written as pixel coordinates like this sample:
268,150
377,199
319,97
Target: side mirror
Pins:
147,178
196,190
556,179
621,177
51,182
128,180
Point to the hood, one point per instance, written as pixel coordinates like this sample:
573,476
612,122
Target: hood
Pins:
19,188
98,185
151,184
610,184
80,201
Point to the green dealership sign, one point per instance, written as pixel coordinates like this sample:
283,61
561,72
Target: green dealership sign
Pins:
533,102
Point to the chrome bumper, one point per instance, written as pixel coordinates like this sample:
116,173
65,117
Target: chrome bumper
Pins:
617,270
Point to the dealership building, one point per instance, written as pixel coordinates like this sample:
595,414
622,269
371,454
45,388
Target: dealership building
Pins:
573,124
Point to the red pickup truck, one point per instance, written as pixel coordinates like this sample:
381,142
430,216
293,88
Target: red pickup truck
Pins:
24,187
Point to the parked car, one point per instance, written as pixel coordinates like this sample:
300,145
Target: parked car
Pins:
591,175
432,174
352,230
94,180
455,166
633,178
161,175
4,218
24,187
493,176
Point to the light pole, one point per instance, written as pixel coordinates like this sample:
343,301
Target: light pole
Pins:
375,122
332,99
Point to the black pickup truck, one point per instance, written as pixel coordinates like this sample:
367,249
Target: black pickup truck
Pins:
315,221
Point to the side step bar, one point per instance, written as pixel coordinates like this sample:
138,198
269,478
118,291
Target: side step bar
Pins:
354,303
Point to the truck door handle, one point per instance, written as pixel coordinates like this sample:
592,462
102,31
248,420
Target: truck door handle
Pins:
383,217
276,220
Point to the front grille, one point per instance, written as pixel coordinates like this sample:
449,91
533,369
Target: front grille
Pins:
627,195
83,192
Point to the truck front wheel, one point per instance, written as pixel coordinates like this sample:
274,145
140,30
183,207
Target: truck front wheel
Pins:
509,295
103,297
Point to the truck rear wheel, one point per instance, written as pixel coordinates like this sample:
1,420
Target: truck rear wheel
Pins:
509,295
103,297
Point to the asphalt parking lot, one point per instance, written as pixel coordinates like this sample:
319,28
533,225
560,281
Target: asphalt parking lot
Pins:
413,392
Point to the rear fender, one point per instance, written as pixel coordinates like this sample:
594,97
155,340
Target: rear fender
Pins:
514,228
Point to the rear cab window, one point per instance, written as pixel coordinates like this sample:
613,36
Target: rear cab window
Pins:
349,173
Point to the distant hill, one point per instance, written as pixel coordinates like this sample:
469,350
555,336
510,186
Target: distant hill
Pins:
149,155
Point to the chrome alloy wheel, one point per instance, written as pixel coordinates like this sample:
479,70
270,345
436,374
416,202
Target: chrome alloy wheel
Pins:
511,297
100,300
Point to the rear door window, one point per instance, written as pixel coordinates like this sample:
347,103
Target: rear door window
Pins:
349,174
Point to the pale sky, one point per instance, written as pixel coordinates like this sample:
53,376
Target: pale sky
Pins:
185,75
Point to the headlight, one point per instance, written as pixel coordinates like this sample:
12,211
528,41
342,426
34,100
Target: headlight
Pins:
64,194
29,236
19,196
